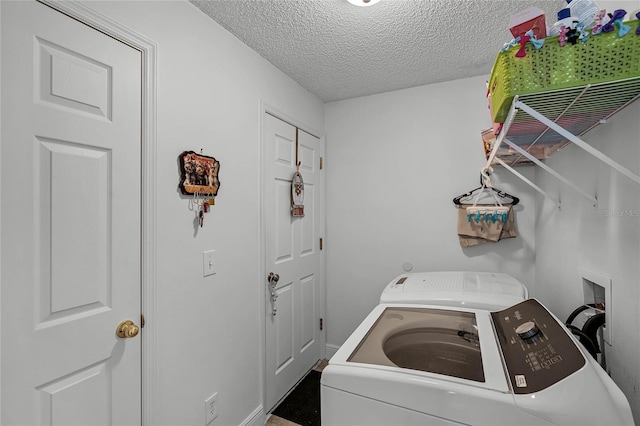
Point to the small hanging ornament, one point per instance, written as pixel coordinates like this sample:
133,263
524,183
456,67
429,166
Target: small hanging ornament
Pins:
297,193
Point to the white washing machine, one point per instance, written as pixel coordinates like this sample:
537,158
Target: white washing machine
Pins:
462,361
483,290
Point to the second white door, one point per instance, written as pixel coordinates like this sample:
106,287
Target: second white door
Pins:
293,253
71,243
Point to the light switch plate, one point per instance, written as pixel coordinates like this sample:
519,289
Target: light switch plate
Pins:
208,263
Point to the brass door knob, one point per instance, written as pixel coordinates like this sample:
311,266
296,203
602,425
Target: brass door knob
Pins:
127,329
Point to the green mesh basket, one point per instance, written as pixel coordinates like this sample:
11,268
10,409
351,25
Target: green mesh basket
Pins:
602,58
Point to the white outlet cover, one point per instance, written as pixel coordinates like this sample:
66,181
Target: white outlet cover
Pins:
211,408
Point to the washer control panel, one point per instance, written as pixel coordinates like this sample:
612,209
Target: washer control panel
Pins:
536,349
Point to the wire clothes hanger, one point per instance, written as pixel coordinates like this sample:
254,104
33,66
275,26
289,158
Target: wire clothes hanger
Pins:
486,187
487,212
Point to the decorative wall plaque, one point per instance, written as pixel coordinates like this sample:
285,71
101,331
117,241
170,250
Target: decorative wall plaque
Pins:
199,174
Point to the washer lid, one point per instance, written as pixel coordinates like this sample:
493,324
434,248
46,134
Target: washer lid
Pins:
483,290
425,339
457,348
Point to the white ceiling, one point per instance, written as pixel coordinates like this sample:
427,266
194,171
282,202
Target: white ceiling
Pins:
338,51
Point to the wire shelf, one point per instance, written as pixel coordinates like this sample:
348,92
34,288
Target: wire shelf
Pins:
578,110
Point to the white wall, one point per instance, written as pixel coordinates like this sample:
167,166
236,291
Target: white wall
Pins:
210,88
605,239
395,161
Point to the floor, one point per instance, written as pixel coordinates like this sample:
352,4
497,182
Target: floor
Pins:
279,421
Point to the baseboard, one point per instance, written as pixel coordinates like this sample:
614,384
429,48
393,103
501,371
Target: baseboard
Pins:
331,350
257,418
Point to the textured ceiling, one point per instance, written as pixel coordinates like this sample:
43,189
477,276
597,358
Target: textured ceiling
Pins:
338,51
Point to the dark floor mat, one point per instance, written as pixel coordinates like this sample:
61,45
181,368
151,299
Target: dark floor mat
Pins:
302,405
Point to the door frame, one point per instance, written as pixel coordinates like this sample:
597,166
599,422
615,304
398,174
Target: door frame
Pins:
266,108
148,50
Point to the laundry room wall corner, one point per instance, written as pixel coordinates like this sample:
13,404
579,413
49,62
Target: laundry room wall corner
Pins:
395,162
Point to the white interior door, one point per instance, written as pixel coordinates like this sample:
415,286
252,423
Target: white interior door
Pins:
71,232
293,253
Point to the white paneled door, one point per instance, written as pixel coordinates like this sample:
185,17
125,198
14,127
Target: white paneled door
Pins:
293,255
71,231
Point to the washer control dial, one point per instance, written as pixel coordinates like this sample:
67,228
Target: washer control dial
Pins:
527,330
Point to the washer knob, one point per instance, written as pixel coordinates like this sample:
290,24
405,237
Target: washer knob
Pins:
527,330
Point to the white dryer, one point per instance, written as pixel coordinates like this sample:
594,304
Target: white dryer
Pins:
432,364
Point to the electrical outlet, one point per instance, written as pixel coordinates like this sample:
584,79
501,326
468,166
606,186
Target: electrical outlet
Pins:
207,263
211,408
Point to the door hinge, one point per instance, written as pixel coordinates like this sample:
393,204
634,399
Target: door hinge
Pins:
321,243
321,324
321,162
142,321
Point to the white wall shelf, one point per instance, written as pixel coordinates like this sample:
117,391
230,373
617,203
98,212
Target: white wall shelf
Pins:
540,124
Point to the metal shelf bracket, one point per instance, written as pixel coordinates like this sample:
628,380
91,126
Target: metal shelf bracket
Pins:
529,182
548,169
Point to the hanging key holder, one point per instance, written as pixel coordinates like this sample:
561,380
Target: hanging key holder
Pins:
199,177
